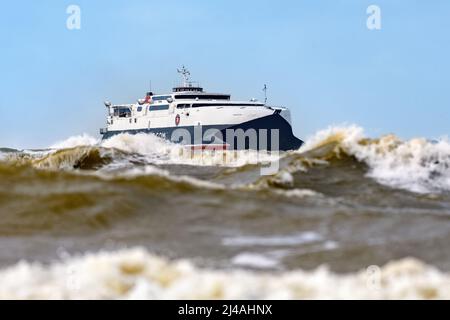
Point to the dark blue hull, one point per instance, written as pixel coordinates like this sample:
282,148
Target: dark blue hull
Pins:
273,132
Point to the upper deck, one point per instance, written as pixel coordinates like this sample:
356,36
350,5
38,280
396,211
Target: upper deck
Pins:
188,94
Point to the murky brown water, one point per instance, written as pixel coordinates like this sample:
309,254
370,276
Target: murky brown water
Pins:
327,205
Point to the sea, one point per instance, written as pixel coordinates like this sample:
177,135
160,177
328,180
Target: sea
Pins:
347,216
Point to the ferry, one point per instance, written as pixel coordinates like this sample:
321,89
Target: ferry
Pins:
199,119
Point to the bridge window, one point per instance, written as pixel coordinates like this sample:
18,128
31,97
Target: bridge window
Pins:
203,97
160,98
158,107
183,106
122,112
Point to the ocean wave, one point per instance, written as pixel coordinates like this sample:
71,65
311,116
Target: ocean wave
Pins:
151,146
83,140
8,150
418,165
161,151
36,202
76,158
149,170
280,240
138,274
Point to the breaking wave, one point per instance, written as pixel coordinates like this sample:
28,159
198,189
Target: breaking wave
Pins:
157,150
76,141
418,165
137,274
331,201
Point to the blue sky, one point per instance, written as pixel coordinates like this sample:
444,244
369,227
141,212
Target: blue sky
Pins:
317,57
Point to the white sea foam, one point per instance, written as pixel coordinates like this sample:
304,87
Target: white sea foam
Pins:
285,240
254,260
149,170
283,179
161,151
418,165
37,153
151,146
298,193
76,141
137,274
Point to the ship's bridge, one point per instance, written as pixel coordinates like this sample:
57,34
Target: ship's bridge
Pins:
199,95
190,90
187,89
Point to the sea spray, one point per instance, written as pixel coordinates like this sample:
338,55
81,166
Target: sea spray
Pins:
137,274
418,165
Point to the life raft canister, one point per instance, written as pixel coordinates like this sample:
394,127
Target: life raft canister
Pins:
177,119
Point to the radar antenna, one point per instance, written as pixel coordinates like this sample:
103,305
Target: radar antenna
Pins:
185,74
265,93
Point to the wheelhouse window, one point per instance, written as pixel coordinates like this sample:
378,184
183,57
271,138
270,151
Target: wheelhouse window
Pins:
183,106
160,98
122,112
184,89
158,107
203,96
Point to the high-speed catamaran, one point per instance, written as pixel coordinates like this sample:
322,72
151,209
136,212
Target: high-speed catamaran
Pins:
204,120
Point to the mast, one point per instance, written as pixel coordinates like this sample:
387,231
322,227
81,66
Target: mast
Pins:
265,93
187,85
185,74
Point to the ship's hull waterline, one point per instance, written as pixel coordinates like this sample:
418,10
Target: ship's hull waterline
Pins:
272,132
